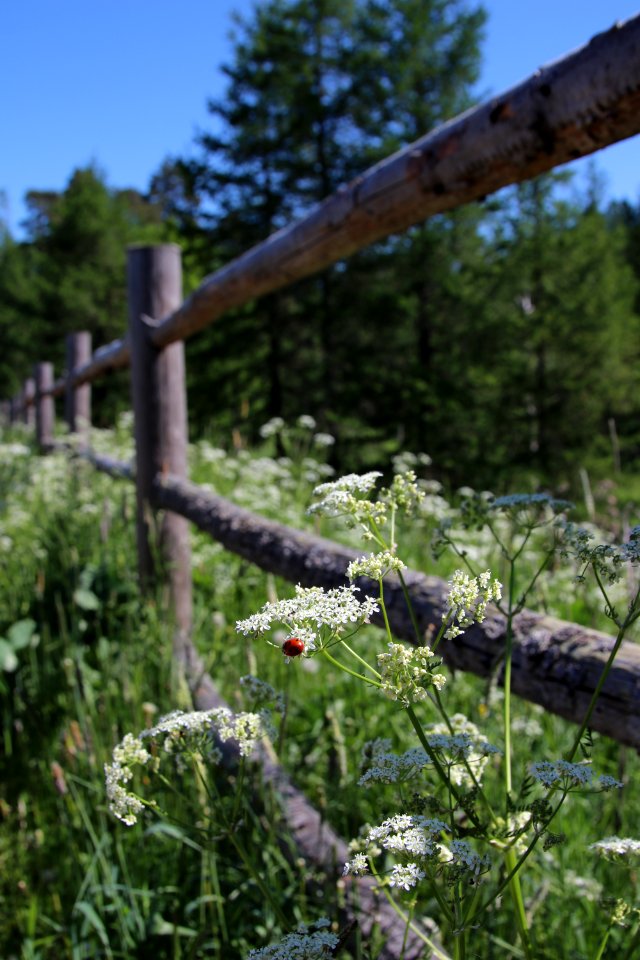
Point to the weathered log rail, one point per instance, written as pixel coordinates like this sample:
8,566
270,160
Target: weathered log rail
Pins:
568,109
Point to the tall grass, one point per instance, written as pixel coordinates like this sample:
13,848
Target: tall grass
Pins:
92,661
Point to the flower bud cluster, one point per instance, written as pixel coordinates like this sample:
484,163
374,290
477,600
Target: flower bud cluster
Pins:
467,600
376,566
408,672
404,492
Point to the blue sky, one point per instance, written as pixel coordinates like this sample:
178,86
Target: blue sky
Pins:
124,83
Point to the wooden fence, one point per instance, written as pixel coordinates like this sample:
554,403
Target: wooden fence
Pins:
569,109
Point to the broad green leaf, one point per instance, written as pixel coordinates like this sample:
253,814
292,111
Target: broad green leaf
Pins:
86,599
20,634
8,659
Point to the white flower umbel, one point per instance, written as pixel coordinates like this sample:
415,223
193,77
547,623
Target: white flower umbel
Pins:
571,775
272,427
466,860
461,749
313,942
178,733
313,615
347,497
388,767
376,566
406,876
617,848
467,600
409,836
408,672
261,694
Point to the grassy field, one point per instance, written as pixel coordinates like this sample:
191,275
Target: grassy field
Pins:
86,659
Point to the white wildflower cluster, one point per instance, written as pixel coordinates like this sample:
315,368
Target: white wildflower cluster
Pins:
312,942
123,804
617,848
607,559
463,861
380,765
405,461
261,694
571,775
587,888
420,844
404,835
9,451
467,600
323,439
461,748
408,672
178,733
271,428
347,497
376,566
406,876
306,422
314,616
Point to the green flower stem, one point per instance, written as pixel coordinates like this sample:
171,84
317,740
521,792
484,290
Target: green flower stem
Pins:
508,654
452,789
407,598
515,889
341,666
437,699
525,856
631,616
232,834
360,659
384,612
603,943
436,950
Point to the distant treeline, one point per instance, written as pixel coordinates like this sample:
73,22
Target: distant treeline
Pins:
502,339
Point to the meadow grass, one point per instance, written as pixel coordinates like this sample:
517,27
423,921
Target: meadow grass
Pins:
95,664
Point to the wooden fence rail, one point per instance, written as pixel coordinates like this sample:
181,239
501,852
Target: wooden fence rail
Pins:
571,108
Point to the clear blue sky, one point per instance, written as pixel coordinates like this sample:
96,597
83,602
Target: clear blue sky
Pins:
124,83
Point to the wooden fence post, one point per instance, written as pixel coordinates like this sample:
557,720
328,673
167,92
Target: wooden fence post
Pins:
28,401
77,400
45,407
160,421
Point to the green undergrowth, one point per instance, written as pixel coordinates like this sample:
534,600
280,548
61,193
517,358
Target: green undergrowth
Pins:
85,659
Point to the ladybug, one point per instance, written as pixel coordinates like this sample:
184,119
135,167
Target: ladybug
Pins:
292,647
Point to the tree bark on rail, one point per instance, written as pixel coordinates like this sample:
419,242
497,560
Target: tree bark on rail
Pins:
555,663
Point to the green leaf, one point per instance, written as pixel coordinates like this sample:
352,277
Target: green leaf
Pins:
93,919
86,599
8,659
20,634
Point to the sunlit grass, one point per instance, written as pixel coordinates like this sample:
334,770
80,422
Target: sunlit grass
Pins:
73,881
